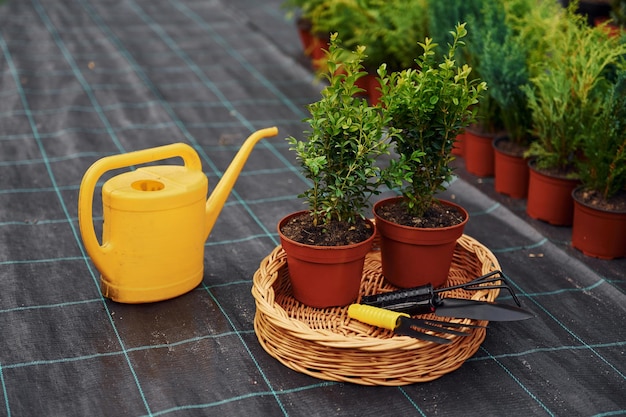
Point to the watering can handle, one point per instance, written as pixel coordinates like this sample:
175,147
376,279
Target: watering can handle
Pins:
95,171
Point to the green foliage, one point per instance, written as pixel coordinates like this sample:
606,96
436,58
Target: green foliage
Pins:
501,60
429,107
306,8
566,94
346,136
603,167
442,15
618,12
387,28
536,23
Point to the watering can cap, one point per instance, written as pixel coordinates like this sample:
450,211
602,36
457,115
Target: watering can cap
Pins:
155,188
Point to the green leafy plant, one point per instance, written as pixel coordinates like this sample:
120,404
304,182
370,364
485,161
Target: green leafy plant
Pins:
565,95
444,15
339,152
537,23
388,29
428,106
618,12
603,167
502,62
304,8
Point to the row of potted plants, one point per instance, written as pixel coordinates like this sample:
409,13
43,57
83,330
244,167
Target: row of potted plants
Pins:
550,78
569,107
388,29
555,86
420,113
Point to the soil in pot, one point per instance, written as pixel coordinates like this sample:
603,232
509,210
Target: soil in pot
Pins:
511,168
337,233
599,225
436,216
418,251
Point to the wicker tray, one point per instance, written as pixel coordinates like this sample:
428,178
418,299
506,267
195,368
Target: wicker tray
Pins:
327,344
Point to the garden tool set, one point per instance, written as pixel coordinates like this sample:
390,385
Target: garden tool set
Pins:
393,310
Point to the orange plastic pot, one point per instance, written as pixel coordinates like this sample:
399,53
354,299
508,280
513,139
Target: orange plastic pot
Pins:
324,276
459,145
598,233
414,256
511,172
305,35
373,89
550,198
478,153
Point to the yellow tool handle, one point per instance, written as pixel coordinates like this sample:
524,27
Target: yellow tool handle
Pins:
375,316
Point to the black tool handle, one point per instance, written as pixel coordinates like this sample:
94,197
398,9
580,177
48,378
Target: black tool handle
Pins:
413,301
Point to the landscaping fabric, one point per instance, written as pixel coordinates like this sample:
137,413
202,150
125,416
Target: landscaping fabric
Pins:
85,79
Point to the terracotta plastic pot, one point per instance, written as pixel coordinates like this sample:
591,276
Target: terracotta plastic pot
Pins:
598,233
478,153
417,256
305,35
511,172
318,47
324,276
373,89
459,144
364,83
550,198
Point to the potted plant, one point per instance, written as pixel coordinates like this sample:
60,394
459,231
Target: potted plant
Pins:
428,106
442,15
503,58
389,31
599,225
564,98
485,19
313,38
338,157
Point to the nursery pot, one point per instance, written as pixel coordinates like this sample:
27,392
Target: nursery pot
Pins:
324,276
373,89
596,232
478,153
313,44
459,144
511,171
550,197
413,256
305,35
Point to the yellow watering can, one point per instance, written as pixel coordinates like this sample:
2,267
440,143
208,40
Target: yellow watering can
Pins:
156,220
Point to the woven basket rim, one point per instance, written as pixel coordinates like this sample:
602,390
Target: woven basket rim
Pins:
279,327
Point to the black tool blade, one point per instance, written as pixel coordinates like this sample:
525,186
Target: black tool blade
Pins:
480,310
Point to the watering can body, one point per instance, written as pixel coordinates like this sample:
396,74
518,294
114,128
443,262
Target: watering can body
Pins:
154,223
156,220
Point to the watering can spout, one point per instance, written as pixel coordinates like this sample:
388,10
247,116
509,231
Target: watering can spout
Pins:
220,194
